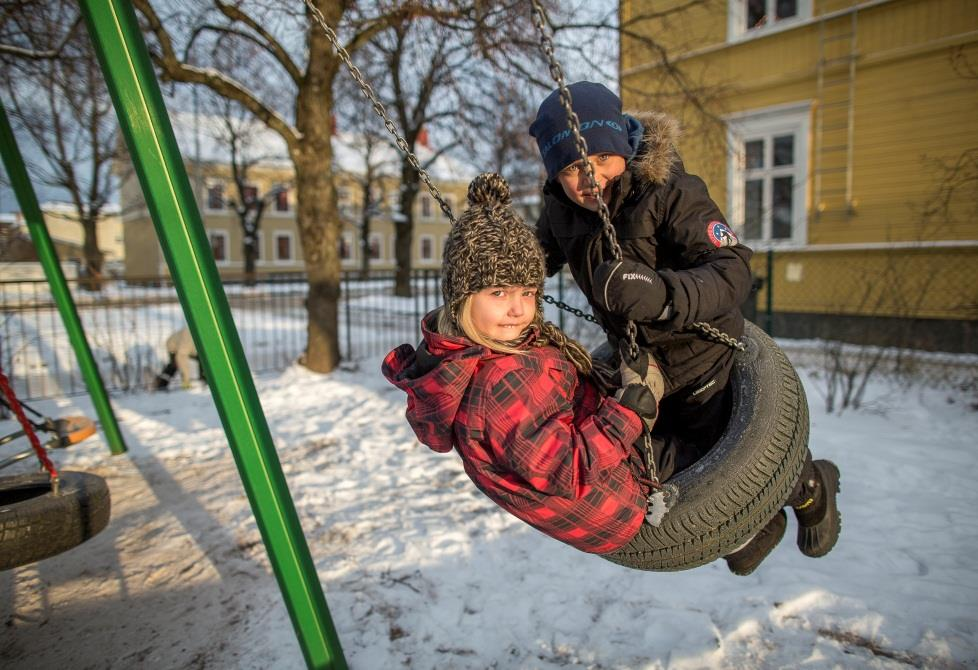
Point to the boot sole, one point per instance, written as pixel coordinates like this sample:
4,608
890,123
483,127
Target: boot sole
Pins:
747,568
830,476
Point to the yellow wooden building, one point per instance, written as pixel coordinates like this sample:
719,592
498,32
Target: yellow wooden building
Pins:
841,139
278,243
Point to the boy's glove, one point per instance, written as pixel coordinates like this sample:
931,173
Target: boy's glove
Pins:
640,400
641,370
632,290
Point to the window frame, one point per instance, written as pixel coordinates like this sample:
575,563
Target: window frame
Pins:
215,183
737,17
220,232
767,123
276,236
346,238
421,240
379,237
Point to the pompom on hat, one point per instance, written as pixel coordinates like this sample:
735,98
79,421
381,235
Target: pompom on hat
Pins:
489,245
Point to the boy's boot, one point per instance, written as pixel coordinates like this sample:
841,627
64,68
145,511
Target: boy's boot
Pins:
818,515
746,559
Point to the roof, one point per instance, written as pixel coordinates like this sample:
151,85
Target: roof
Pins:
269,147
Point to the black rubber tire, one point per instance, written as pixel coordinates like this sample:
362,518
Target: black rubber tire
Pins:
36,524
733,491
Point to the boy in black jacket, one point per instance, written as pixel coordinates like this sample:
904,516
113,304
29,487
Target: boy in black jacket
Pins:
680,264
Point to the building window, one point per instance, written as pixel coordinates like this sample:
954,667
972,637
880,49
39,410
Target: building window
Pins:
768,175
425,207
249,194
747,18
426,248
282,200
283,248
219,245
215,196
376,247
346,247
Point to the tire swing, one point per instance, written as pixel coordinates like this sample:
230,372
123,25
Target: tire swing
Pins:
46,513
746,477
731,493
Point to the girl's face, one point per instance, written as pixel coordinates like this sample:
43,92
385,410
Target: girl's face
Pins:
503,312
577,186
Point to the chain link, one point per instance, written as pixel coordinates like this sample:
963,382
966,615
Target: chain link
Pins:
569,308
540,21
718,335
368,92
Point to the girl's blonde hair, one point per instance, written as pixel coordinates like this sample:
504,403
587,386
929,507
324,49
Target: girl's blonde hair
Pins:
547,334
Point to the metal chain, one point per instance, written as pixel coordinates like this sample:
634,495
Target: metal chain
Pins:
570,308
718,335
540,21
368,92
555,70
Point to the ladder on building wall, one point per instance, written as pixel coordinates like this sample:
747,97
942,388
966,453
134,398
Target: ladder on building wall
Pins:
835,118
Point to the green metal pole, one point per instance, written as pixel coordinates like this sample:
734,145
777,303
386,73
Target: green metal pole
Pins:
170,199
27,199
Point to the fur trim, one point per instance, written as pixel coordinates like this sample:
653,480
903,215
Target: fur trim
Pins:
658,154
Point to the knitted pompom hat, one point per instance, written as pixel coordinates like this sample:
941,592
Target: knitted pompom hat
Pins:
489,245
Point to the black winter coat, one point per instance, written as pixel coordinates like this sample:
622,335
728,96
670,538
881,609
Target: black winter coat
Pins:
664,218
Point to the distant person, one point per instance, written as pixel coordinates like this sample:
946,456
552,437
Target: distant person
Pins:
180,346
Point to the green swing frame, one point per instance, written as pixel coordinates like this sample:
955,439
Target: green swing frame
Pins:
135,92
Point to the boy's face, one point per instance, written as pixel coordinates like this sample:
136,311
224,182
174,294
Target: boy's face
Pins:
573,179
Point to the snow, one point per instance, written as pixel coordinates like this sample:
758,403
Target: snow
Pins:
421,570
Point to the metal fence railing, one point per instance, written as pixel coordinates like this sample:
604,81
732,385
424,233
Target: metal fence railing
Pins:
127,324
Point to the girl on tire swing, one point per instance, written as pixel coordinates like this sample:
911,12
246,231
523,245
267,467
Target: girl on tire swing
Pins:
519,400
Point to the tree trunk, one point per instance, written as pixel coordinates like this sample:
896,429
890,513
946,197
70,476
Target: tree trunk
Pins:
403,232
250,253
93,256
317,218
365,228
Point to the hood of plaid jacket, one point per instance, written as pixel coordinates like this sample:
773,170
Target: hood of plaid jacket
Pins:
435,377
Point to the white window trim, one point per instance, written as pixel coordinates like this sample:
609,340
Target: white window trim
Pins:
434,252
380,247
275,238
272,208
206,195
737,16
424,197
348,238
794,118
211,232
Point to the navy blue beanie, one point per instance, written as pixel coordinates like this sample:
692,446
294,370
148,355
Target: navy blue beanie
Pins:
603,126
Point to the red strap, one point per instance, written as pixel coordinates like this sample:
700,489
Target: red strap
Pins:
28,428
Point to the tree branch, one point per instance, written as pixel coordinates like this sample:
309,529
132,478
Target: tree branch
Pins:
267,42
173,69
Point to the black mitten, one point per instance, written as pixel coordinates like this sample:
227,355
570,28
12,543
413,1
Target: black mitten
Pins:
639,399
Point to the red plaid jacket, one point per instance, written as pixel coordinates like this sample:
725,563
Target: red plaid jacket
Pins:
533,435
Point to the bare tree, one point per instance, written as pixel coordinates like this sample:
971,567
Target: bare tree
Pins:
296,51
361,133
241,135
58,98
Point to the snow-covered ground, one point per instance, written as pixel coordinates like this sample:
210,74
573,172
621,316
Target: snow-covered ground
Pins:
420,570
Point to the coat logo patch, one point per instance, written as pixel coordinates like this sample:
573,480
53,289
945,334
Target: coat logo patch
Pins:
720,234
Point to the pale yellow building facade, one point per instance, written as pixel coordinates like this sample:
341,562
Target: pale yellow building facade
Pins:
842,135
279,244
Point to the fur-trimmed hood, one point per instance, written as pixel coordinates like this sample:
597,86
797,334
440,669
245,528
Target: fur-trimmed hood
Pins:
658,153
